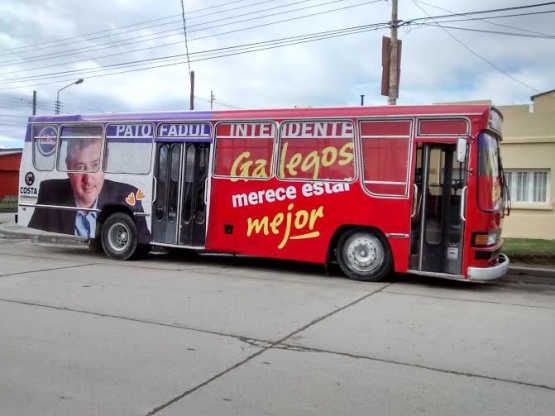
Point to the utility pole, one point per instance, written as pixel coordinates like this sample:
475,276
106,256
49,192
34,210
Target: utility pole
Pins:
393,87
34,103
361,100
212,98
192,100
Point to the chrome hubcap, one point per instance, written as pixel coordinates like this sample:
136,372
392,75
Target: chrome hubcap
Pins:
365,253
118,237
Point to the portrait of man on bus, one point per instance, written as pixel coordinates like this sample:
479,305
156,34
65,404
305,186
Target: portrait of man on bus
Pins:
85,188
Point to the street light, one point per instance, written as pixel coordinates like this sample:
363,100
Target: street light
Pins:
79,81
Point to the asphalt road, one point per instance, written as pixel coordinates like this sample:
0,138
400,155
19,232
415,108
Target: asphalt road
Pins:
83,335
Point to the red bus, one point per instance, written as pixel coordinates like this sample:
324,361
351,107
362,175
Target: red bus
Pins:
410,189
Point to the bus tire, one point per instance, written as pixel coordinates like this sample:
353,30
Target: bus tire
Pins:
364,255
119,237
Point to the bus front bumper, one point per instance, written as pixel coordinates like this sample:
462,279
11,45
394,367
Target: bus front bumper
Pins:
482,274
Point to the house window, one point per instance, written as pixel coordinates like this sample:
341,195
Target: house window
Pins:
529,187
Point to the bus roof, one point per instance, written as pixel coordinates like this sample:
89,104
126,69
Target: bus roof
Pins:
283,113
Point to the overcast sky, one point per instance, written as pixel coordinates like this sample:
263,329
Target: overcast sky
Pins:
132,54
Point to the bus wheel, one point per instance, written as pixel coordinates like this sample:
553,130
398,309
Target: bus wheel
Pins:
119,236
364,255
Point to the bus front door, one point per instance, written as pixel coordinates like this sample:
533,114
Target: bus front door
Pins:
179,208
438,214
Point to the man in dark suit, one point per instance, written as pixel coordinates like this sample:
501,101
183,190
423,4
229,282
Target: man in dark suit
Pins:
86,191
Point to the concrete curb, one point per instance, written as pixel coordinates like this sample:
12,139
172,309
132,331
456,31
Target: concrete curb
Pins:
14,231
523,270
63,240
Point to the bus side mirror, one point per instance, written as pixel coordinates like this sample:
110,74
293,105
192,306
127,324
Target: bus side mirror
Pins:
462,146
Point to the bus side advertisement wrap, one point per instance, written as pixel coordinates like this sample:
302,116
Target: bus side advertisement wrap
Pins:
317,150
291,210
410,189
96,166
244,150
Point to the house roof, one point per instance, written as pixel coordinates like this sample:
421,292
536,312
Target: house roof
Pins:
540,94
10,151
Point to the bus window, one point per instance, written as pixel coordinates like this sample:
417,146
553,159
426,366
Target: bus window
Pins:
244,150
317,150
128,153
76,138
385,154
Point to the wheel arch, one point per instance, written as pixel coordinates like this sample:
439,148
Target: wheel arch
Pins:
108,210
132,248
331,255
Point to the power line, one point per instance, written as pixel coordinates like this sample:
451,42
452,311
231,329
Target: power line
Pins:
16,105
12,124
292,18
14,99
218,102
13,105
82,107
83,38
223,19
477,54
494,32
25,107
502,17
177,31
280,21
209,52
486,20
81,72
478,12
141,38
10,115
309,38
80,51
66,73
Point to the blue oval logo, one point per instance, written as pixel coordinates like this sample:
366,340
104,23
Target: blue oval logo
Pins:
46,141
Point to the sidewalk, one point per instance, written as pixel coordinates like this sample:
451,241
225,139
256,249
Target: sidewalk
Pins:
9,229
7,217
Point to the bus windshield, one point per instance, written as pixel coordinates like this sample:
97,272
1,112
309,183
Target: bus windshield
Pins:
490,195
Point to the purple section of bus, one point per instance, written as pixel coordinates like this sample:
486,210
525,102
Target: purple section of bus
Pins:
105,119
145,130
184,132
176,116
129,140
183,140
